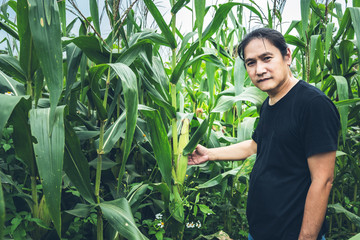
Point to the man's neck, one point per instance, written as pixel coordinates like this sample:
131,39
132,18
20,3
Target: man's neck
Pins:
284,89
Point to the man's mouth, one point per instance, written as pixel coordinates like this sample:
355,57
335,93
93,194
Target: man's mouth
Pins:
263,79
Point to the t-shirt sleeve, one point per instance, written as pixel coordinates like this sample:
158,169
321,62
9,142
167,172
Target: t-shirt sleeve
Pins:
254,135
321,126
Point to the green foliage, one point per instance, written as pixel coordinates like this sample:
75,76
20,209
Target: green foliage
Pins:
95,129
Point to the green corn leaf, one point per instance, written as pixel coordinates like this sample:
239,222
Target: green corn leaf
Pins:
161,23
49,152
242,170
313,44
130,91
176,206
128,56
328,37
355,17
158,99
337,208
97,103
44,22
180,67
270,17
356,237
347,102
74,55
245,129
293,25
218,179
28,59
160,142
200,14
221,15
342,90
178,5
76,165
22,137
113,134
305,11
70,26
7,84
251,94
220,49
345,23
294,41
136,192
9,30
93,49
48,5
62,12
119,215
94,10
160,75
346,49
8,104
151,36
239,78
7,179
2,211
11,67
208,58
339,12
185,41
195,139
210,73
81,210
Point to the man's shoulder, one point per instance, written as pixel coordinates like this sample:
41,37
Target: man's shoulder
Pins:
308,91
311,98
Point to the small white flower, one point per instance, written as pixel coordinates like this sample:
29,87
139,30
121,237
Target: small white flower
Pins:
198,224
9,93
149,169
158,216
160,224
190,225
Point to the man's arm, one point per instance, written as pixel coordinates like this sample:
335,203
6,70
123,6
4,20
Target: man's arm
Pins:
322,173
233,152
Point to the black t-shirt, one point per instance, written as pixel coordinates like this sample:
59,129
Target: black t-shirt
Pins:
303,123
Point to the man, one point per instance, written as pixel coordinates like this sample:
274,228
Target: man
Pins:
295,142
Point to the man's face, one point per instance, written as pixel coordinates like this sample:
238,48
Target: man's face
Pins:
267,68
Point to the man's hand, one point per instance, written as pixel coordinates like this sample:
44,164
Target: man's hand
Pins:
235,152
199,155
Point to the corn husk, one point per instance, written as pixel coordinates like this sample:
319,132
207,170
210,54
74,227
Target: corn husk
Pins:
181,161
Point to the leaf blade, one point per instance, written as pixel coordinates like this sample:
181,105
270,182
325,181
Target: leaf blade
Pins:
49,152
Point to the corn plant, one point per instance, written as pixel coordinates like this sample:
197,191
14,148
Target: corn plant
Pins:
101,125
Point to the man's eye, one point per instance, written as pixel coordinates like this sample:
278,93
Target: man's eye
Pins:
267,58
249,64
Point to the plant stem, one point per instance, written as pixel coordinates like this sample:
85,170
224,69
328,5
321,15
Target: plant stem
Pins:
174,122
173,87
97,182
353,227
100,226
34,197
108,79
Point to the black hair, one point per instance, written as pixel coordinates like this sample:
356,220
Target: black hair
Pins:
273,36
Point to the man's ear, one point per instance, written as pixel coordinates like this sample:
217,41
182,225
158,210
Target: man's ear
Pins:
288,57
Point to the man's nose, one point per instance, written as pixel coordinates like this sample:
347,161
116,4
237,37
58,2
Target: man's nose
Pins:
260,68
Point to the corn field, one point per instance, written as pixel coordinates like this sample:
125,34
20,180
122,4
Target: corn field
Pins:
95,128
